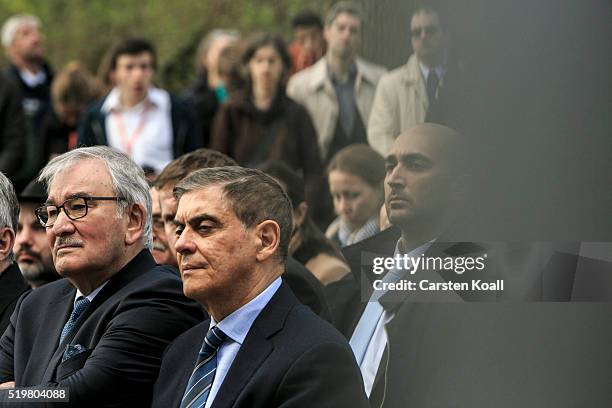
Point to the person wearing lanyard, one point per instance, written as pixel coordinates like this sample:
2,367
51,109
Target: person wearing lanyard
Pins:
145,122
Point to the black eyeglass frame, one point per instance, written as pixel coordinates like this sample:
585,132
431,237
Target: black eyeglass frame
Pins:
85,199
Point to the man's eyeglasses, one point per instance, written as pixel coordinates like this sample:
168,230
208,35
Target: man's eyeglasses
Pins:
428,30
74,208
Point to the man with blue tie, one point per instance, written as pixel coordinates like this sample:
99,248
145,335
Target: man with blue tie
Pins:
101,331
261,347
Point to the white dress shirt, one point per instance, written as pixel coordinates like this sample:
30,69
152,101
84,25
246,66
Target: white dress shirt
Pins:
143,131
237,326
369,363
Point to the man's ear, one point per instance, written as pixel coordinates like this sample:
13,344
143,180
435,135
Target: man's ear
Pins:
300,213
7,240
135,223
268,236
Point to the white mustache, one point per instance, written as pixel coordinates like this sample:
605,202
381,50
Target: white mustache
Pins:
158,246
66,241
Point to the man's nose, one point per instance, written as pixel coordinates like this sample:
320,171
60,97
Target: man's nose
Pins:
184,244
62,225
23,238
395,179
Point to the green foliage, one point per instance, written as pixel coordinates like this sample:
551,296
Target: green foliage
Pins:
86,29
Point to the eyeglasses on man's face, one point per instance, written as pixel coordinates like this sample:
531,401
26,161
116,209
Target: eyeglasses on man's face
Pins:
429,30
74,208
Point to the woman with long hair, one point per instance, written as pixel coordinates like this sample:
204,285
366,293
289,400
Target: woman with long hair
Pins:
262,123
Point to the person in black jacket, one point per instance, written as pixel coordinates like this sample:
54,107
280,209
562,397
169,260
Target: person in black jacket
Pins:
12,284
100,331
12,128
25,48
209,90
150,125
272,350
301,281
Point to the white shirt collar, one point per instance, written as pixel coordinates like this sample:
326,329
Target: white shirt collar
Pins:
31,79
154,96
440,71
93,293
239,322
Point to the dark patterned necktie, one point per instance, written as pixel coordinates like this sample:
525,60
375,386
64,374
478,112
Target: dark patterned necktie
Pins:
432,85
79,306
200,382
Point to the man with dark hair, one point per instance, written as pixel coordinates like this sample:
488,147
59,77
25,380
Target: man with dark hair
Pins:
12,284
339,89
410,95
308,44
303,283
102,330
436,344
174,172
32,251
147,123
261,347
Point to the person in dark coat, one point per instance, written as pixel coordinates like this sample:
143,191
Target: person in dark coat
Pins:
24,44
12,127
263,123
12,284
261,346
301,281
210,89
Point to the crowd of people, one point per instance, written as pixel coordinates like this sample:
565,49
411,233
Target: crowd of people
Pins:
216,248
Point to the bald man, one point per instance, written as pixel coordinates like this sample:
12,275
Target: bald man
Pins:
437,348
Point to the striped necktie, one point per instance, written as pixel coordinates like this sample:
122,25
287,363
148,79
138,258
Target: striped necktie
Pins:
203,374
79,306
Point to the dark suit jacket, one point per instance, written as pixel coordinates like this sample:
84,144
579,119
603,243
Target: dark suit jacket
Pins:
290,358
307,288
12,285
123,331
501,354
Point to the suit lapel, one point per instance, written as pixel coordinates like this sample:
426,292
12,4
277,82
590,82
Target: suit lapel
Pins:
56,317
256,347
138,265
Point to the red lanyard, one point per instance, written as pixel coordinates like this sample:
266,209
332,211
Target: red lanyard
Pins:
128,142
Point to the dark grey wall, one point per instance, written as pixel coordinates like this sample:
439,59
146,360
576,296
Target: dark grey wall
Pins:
536,103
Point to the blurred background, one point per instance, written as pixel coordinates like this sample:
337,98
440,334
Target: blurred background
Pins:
537,95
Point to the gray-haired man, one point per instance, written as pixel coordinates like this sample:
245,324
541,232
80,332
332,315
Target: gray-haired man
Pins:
261,347
12,283
102,330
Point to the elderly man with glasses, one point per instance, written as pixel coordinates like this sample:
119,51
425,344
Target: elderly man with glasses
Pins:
101,331
410,95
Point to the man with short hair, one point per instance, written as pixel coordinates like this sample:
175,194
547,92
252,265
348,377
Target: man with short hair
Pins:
406,96
261,347
32,251
308,44
162,252
338,90
431,346
12,284
24,45
147,123
101,331
304,284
